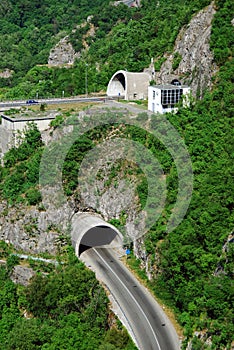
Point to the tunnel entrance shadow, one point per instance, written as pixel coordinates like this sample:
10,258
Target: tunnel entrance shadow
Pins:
83,248
98,236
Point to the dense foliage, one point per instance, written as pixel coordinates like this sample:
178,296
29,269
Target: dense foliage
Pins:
222,32
124,38
66,309
190,255
20,175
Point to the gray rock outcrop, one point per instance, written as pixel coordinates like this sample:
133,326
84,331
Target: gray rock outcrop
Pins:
192,49
22,275
34,229
7,73
62,54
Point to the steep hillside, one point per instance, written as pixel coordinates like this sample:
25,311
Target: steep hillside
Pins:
192,61
28,29
121,37
191,268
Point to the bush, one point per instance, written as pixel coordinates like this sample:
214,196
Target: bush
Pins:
176,60
12,261
33,196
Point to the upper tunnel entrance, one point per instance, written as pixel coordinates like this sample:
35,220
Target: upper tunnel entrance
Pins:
130,85
117,85
91,231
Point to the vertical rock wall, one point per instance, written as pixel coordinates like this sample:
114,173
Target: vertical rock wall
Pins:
195,64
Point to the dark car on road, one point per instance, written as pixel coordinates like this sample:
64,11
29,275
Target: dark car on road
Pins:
29,102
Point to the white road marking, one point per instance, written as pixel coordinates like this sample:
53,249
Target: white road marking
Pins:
131,297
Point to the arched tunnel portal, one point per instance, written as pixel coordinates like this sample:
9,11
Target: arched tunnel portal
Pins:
117,84
129,85
90,231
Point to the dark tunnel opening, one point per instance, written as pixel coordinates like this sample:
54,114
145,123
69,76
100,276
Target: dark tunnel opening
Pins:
83,248
121,79
96,237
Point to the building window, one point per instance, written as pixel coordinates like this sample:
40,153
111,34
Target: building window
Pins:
153,94
171,96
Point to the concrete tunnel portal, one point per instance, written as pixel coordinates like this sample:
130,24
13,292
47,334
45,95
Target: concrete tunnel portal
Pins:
129,85
117,85
89,231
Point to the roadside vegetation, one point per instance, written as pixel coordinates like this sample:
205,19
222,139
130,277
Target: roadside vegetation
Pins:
65,308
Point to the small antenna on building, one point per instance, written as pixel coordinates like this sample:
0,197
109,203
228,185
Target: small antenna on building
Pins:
152,67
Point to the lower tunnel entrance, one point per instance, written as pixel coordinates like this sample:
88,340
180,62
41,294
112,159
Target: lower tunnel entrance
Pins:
90,230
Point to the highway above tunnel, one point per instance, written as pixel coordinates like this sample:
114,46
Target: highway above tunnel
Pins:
51,101
144,318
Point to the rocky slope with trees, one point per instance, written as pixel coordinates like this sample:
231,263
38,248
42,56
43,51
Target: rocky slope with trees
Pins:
182,265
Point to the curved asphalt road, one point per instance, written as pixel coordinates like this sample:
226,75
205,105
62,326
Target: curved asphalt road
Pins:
150,326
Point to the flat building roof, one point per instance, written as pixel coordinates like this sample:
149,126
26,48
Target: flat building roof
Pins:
23,118
169,86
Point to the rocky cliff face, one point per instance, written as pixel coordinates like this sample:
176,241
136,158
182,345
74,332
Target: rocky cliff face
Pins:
192,61
34,229
62,54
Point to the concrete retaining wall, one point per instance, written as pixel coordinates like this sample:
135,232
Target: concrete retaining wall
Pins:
11,126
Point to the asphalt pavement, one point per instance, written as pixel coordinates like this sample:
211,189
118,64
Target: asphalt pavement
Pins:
145,319
19,103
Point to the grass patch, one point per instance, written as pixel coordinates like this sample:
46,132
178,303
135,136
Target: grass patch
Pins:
135,265
65,107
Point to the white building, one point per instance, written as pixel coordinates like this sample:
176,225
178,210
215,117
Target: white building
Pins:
164,98
11,126
19,123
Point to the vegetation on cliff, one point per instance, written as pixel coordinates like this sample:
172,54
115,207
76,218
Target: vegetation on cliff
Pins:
124,38
184,262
